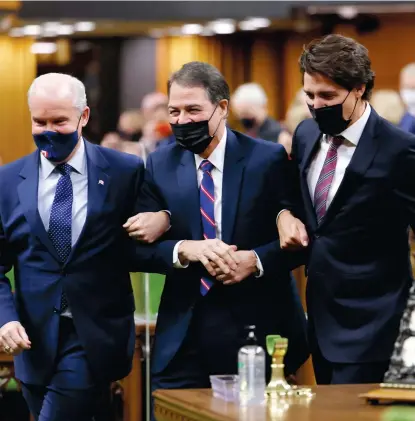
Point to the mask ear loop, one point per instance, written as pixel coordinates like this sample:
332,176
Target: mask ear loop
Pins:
355,104
217,127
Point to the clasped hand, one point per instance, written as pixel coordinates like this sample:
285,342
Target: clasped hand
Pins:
223,262
147,227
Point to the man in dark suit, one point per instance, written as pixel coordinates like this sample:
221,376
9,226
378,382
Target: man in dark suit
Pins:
61,214
357,178
222,189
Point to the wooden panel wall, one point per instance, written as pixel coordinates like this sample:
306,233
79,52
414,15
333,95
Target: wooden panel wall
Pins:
17,71
226,53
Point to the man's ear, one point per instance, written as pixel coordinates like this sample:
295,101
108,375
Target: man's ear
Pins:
224,105
85,116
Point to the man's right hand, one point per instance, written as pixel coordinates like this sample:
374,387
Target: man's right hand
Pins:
13,338
209,253
292,232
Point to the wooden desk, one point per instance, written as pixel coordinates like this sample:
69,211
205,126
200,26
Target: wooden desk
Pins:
132,384
330,403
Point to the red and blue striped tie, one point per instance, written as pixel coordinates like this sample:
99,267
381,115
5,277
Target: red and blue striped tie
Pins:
326,177
207,207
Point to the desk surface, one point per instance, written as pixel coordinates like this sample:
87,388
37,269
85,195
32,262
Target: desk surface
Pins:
330,403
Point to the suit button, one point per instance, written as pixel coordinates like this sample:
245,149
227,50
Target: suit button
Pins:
63,273
55,310
316,236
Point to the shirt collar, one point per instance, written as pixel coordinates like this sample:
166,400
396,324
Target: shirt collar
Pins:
354,132
217,157
77,162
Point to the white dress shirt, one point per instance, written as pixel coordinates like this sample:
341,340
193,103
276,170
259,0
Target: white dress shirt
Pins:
48,180
217,159
344,155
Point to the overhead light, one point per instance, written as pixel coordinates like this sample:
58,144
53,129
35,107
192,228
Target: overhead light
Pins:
51,26
223,26
16,32
192,29
348,12
65,30
85,26
43,48
260,22
32,30
247,25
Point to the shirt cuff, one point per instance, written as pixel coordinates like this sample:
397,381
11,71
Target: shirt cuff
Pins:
280,212
259,266
176,260
168,213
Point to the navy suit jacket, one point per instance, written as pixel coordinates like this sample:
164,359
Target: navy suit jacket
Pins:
254,190
95,277
359,269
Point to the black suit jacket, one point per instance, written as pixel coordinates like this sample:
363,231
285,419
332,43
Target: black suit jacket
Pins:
359,270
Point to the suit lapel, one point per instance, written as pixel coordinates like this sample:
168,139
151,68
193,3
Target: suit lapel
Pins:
231,185
28,196
98,185
360,162
189,193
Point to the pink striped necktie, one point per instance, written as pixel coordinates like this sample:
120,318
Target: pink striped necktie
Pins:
326,178
207,211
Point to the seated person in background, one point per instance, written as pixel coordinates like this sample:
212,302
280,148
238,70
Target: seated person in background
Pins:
112,140
388,104
130,125
249,104
408,96
151,103
296,113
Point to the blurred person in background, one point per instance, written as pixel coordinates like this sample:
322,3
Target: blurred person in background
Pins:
151,103
112,140
249,105
407,86
388,104
130,125
296,113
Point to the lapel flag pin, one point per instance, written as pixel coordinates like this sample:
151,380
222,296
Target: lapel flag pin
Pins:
101,182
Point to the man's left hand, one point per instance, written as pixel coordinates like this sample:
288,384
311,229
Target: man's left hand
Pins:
246,267
148,226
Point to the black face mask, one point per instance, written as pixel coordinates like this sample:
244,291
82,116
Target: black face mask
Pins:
330,119
194,136
132,137
248,123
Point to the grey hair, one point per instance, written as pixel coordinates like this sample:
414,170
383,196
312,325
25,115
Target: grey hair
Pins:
250,92
60,85
408,70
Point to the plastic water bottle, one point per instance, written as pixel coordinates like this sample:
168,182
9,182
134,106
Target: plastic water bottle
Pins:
251,370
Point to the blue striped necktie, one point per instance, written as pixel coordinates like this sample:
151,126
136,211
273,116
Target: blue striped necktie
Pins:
207,207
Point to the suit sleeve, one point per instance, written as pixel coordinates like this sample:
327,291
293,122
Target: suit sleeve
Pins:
8,311
286,196
405,184
156,257
149,197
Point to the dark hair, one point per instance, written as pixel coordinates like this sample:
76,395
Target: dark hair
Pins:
343,60
204,75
